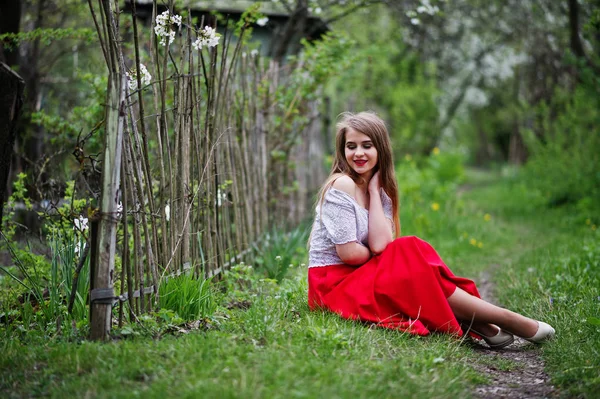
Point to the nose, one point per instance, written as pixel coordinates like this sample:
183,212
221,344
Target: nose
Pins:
359,152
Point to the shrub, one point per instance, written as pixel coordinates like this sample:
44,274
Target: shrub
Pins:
564,161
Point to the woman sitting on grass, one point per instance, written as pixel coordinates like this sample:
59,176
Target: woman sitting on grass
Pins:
358,270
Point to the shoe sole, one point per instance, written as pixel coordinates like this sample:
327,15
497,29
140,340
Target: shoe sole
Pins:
501,344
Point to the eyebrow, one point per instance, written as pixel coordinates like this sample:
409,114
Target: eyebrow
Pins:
362,142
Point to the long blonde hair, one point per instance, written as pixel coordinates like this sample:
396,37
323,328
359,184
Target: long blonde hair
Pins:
370,124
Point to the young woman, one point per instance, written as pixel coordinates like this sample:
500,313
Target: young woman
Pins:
360,269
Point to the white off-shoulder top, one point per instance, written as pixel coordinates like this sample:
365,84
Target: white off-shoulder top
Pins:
340,220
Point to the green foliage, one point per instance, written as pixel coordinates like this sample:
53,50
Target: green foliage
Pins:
413,114
46,287
428,190
66,253
247,20
387,77
19,194
319,61
564,161
277,251
191,298
47,35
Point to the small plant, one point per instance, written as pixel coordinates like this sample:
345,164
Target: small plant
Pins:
277,251
189,297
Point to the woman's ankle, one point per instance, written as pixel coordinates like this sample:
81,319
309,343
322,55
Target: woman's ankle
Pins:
522,326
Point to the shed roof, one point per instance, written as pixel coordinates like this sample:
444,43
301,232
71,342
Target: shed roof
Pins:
234,6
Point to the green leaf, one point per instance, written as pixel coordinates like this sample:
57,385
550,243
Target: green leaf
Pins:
593,321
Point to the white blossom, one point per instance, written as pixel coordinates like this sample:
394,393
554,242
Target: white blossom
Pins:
221,196
262,21
254,53
132,77
77,247
163,29
206,37
415,21
81,223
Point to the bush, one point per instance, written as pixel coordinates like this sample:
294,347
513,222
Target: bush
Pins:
427,190
564,161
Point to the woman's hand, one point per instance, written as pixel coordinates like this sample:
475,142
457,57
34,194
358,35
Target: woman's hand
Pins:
374,183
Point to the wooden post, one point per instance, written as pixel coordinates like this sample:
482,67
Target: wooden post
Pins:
11,100
103,280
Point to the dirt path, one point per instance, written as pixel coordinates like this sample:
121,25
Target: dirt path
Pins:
525,378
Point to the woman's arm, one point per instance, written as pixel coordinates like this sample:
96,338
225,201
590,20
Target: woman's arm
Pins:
353,253
380,228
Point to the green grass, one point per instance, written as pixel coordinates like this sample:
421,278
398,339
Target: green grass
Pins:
546,263
550,269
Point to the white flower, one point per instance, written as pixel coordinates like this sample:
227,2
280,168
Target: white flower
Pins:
77,248
132,77
163,30
415,21
262,21
221,196
206,37
81,223
278,258
254,53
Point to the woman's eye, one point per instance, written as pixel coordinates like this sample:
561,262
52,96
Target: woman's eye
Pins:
351,147
367,146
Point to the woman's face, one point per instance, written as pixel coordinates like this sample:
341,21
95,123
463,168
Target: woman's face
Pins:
360,153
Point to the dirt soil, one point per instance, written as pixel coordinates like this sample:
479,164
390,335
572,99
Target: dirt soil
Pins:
526,378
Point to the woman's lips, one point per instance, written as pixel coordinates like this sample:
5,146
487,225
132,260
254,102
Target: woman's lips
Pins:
361,162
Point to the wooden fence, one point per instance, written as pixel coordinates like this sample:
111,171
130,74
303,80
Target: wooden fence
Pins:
217,148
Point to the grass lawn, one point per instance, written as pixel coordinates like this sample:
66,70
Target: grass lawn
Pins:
546,264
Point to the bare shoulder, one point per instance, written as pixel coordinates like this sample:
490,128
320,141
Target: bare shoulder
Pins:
346,184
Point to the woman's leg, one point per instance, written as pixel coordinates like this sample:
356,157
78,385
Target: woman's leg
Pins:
472,309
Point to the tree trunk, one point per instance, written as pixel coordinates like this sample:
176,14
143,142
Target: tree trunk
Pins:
11,101
285,34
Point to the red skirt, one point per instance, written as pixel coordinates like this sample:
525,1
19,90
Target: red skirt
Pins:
406,287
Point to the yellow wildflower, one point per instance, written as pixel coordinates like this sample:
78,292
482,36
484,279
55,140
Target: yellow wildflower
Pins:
480,244
435,151
473,241
487,217
435,207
